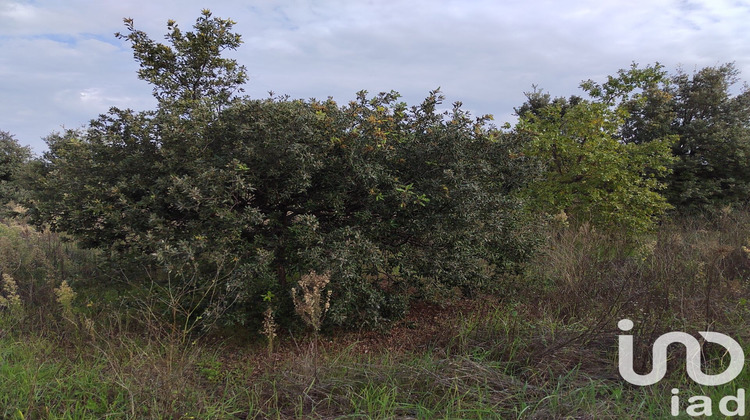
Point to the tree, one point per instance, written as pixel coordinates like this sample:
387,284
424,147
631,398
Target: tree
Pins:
591,173
392,201
384,198
191,69
112,184
114,178
714,148
712,168
13,158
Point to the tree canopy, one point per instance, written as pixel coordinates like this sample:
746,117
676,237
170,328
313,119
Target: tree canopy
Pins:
591,173
711,127
192,68
713,151
393,201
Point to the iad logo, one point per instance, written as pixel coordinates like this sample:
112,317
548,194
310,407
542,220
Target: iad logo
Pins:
693,359
701,404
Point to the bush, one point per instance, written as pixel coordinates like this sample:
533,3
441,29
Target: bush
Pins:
223,200
13,159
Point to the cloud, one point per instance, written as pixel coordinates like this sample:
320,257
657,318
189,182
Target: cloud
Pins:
48,76
484,53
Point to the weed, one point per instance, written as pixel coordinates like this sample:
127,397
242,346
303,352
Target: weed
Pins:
269,323
309,301
9,299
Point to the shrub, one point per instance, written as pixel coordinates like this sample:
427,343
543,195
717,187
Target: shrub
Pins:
245,195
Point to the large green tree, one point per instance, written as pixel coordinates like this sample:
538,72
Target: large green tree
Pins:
392,201
590,173
713,125
710,116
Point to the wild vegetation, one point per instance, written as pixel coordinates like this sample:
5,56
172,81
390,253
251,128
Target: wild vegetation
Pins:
229,257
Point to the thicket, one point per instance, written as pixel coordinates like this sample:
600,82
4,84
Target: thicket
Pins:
213,205
223,200
547,351
218,210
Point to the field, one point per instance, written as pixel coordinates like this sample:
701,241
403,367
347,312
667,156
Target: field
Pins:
226,256
543,346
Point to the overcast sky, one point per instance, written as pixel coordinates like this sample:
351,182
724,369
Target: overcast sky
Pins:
61,65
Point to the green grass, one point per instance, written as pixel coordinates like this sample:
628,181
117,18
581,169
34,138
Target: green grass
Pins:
40,382
137,378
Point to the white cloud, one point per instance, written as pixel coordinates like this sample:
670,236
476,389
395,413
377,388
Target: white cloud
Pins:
484,53
17,12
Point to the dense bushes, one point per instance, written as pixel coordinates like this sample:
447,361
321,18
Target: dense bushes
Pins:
392,201
212,201
232,198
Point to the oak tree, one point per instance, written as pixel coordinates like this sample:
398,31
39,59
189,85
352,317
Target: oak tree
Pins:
250,194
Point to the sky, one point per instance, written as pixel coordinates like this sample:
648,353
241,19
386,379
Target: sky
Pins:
61,65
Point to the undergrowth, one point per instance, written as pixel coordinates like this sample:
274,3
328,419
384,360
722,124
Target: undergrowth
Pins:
548,351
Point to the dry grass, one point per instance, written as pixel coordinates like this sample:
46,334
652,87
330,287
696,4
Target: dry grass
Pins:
545,352
690,273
